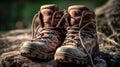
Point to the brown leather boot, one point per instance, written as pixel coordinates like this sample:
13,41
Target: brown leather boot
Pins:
80,44
48,35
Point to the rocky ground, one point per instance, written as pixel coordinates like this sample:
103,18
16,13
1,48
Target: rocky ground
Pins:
11,41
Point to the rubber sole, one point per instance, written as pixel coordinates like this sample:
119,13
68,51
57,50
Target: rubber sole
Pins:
33,53
68,58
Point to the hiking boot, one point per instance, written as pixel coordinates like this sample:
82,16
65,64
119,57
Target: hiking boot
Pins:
80,44
48,35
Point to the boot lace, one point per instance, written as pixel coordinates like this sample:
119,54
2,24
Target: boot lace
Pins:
38,35
74,34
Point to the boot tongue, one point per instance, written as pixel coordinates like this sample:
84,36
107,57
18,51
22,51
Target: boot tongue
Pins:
53,7
75,17
75,12
47,12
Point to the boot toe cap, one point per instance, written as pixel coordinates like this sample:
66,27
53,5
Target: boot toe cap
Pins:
31,46
71,50
66,49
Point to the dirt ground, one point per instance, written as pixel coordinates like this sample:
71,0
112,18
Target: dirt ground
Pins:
11,41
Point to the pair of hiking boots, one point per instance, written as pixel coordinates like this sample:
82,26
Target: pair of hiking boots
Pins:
67,36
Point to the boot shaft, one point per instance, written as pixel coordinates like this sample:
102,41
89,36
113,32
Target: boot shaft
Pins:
80,15
50,16
47,12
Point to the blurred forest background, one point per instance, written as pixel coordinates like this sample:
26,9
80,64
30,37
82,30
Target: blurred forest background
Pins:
18,14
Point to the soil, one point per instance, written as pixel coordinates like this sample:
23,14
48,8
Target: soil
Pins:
10,57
